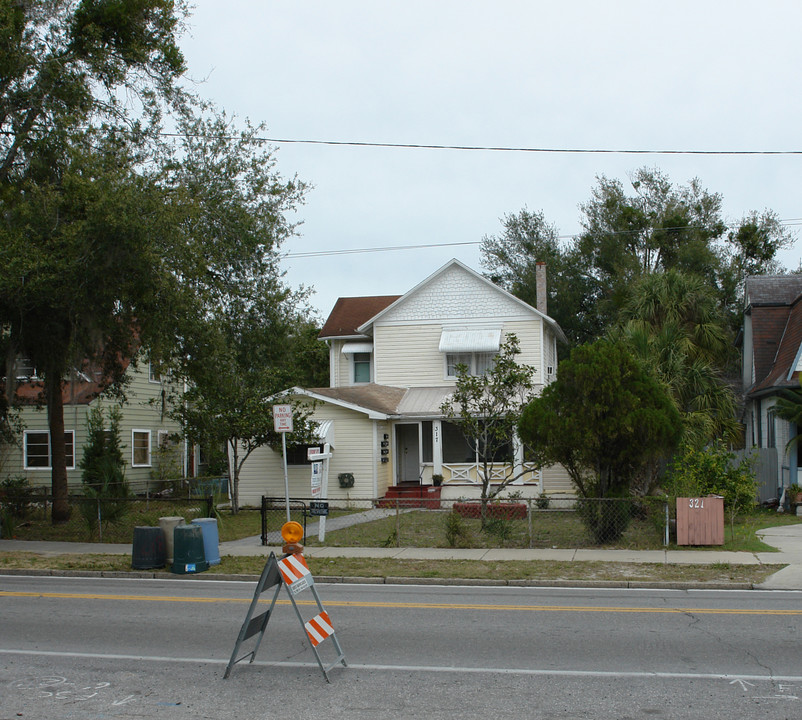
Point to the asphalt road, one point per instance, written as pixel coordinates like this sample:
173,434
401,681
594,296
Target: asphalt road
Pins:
86,648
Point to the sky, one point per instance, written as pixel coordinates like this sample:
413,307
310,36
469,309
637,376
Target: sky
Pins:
636,75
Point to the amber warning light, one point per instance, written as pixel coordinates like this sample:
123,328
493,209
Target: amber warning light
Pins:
293,533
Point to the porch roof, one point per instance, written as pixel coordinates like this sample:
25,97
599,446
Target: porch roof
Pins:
424,400
385,400
370,397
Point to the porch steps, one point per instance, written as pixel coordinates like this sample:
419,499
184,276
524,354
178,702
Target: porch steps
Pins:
411,495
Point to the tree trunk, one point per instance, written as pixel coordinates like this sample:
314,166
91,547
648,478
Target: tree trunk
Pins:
58,456
233,477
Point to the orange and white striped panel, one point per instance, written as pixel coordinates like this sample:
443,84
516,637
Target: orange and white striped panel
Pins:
319,628
293,568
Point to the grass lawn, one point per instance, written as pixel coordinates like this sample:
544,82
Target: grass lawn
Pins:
413,528
560,529
389,569
423,529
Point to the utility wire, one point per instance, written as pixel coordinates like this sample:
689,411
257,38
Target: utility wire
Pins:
427,246
503,148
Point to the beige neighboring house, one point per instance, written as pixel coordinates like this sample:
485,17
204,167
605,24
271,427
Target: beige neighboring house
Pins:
147,434
392,365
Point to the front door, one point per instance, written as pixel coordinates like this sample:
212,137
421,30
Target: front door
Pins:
407,447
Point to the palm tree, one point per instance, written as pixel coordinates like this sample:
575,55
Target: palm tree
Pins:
672,321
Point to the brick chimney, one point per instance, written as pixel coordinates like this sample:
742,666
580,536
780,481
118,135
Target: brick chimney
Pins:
540,288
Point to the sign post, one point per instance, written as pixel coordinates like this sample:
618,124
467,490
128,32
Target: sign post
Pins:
282,423
320,484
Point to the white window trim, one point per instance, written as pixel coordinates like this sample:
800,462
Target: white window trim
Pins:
133,448
471,366
352,368
153,375
34,468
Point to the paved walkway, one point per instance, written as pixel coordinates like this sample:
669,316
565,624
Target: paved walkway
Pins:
787,540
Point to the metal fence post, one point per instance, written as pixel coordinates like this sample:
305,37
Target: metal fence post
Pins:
397,522
529,521
264,520
99,522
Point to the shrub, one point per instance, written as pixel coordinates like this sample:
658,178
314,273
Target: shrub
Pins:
605,519
712,470
105,501
499,527
455,528
15,494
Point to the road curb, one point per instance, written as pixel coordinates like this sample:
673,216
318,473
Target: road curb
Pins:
352,580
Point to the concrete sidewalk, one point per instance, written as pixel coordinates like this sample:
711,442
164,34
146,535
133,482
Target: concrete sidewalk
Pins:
787,540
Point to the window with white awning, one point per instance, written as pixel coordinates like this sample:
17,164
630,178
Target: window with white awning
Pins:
473,341
476,349
360,355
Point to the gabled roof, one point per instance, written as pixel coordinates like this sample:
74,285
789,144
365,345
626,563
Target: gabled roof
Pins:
775,306
365,327
350,312
772,290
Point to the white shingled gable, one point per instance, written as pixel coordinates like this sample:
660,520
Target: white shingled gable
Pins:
455,293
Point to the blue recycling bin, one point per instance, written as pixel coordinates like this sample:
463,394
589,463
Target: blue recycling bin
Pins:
211,546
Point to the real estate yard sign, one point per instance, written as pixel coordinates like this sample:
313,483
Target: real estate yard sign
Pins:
320,485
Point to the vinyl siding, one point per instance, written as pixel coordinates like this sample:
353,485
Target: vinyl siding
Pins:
137,413
556,481
263,473
408,355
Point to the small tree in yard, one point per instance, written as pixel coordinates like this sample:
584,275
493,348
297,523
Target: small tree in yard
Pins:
486,408
103,475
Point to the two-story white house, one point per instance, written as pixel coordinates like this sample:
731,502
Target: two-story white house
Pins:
393,363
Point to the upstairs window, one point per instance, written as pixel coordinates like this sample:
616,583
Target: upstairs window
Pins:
360,359
361,367
475,349
477,363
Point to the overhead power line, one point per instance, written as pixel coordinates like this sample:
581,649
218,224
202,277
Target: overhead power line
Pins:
427,246
352,251
503,148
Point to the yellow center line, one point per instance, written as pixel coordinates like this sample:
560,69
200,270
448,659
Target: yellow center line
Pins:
412,605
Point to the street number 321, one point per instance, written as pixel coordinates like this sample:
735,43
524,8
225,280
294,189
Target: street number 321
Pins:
696,503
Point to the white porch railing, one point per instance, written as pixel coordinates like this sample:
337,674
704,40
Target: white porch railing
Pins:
473,473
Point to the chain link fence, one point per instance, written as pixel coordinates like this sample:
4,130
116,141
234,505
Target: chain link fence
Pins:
101,519
544,522
634,523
